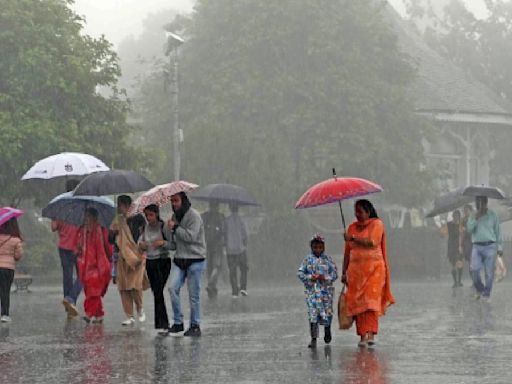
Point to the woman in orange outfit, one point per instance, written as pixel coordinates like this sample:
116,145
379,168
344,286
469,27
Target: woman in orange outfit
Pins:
366,272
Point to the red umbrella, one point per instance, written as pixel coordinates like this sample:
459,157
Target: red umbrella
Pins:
335,190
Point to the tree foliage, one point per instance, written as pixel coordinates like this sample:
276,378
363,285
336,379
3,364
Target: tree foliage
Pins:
58,90
274,94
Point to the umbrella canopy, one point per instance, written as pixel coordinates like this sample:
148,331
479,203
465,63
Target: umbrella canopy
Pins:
484,190
71,209
8,213
449,202
225,193
65,164
112,183
335,190
160,195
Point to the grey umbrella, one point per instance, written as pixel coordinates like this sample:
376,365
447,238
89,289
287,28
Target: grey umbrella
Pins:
112,183
449,202
225,193
71,209
484,190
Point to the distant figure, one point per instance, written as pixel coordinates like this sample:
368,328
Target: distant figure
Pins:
366,272
466,242
236,251
189,262
318,272
454,249
94,265
68,237
11,251
214,222
131,277
156,242
485,230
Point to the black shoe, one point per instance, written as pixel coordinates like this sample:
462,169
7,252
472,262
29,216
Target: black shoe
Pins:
193,331
176,328
327,335
312,344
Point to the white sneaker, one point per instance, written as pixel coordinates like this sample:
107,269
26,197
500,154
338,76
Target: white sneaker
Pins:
5,319
243,292
142,316
129,321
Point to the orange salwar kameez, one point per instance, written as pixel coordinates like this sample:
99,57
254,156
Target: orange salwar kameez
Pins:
368,280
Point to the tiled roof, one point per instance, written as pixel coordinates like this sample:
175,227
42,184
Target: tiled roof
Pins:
441,85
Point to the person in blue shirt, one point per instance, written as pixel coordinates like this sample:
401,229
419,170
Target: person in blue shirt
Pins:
487,240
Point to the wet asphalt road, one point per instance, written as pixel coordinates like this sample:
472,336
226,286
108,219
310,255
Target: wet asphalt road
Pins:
433,335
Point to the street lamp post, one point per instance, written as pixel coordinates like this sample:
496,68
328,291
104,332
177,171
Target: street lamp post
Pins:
173,43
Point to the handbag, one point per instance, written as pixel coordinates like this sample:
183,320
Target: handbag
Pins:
501,270
345,322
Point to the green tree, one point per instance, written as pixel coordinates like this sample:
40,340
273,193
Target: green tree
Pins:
273,94
58,91
483,46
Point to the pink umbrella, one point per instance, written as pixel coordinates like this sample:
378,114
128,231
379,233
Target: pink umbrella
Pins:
160,195
8,213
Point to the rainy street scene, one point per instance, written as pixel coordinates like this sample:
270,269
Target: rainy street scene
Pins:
254,191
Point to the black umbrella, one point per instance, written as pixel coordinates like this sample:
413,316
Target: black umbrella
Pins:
484,190
449,202
225,193
112,183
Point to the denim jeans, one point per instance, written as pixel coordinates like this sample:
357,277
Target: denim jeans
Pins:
72,286
177,279
483,257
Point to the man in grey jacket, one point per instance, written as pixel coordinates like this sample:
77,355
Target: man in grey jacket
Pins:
189,262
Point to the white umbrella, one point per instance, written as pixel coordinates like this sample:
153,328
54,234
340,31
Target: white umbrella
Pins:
65,164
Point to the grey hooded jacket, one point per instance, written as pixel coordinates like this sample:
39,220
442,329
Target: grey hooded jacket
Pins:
189,240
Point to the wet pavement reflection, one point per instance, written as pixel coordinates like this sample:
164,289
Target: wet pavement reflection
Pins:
433,335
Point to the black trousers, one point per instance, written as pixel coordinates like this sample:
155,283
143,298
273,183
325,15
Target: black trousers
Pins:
6,279
158,272
236,262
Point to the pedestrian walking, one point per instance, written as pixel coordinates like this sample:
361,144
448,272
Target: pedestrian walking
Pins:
466,242
94,265
155,241
188,264
484,227
214,223
236,251
131,277
366,272
454,254
318,272
68,237
11,251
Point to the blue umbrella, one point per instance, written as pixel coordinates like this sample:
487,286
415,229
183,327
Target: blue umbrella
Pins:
71,209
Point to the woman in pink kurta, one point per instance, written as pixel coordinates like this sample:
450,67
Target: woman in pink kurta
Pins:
94,265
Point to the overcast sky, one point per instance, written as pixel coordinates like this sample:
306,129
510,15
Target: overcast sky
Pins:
117,19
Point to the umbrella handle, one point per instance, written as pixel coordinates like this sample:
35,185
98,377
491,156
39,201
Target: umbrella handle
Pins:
342,217
339,202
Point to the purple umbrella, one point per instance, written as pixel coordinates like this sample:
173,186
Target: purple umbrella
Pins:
8,213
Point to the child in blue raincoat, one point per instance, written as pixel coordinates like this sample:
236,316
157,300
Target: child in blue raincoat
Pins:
318,272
